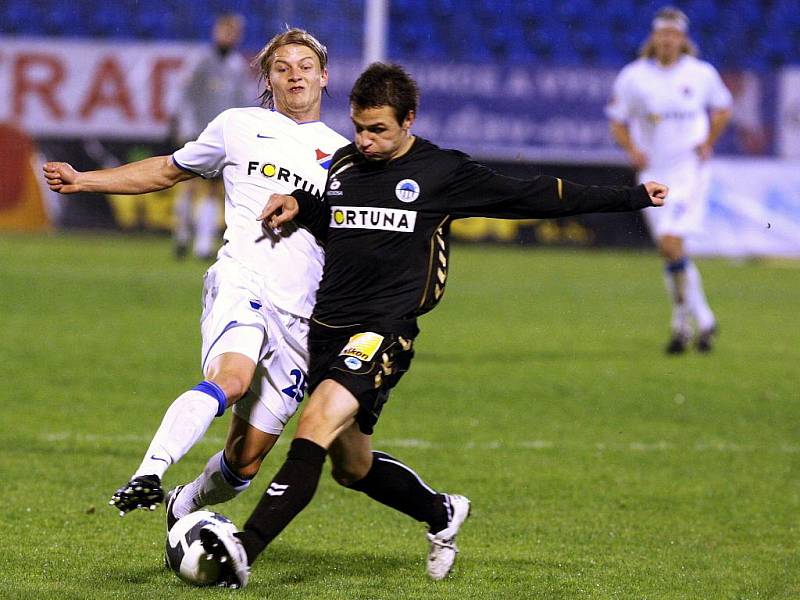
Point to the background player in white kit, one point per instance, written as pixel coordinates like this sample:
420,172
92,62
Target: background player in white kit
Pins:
258,296
659,115
218,82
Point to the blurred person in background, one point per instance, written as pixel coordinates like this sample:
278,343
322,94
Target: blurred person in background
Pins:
258,295
218,82
667,111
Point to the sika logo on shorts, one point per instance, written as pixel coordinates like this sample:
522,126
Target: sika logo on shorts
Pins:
352,363
407,190
362,346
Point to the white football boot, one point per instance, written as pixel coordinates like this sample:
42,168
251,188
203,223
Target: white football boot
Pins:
443,550
225,548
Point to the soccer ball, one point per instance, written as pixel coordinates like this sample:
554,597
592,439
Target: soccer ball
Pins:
184,552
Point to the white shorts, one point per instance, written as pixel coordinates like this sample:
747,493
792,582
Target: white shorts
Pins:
684,210
238,318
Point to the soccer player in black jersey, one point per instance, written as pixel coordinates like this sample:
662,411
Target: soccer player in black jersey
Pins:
384,220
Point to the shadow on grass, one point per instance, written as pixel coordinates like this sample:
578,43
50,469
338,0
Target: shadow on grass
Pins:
286,564
303,569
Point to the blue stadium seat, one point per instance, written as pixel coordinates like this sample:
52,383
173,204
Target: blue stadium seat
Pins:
603,32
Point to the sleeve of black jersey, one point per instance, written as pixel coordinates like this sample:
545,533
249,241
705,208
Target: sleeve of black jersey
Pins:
475,190
313,214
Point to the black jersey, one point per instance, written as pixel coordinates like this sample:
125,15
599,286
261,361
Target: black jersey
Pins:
385,227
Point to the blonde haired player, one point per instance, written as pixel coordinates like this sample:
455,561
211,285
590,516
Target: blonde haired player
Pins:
668,110
258,295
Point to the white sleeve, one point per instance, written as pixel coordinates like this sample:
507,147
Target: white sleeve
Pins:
619,107
206,156
718,94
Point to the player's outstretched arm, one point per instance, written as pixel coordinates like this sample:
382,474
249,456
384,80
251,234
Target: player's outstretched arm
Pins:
148,175
280,209
657,192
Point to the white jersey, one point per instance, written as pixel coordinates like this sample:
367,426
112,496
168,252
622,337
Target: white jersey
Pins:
666,108
260,152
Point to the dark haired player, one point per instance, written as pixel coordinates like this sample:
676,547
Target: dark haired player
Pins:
384,221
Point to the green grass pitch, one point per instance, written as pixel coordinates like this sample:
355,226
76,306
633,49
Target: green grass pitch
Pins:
597,466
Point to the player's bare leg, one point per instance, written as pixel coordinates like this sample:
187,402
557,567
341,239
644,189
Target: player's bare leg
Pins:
226,475
330,409
328,422
187,419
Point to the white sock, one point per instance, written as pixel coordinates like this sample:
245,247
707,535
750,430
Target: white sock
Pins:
696,299
206,225
185,422
680,310
210,487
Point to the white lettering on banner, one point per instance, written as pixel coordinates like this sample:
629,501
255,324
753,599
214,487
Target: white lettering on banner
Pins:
473,124
85,88
753,210
360,217
481,81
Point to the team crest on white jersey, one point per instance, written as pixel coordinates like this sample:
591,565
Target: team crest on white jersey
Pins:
370,217
407,190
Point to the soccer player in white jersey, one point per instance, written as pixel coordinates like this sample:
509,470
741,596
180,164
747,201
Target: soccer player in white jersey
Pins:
667,111
258,296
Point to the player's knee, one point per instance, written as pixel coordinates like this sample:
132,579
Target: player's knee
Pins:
242,466
671,249
348,471
344,476
235,385
249,470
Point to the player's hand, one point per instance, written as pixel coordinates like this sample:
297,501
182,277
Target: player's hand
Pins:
61,177
704,151
280,209
657,192
638,159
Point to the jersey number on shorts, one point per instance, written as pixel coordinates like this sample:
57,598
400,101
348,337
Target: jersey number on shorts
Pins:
298,389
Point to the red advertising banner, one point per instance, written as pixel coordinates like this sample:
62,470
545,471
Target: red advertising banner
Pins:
60,88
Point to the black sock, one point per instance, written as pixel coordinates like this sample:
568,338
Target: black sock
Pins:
290,491
392,483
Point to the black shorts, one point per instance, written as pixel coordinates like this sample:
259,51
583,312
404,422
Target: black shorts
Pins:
367,364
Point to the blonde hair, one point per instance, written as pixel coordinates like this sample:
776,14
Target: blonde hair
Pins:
266,57
669,13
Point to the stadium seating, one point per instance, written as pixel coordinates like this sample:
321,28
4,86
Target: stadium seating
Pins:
731,33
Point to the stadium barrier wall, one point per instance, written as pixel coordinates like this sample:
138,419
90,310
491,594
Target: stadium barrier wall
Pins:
76,96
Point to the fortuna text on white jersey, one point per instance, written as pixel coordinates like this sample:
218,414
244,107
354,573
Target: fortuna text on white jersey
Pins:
270,171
